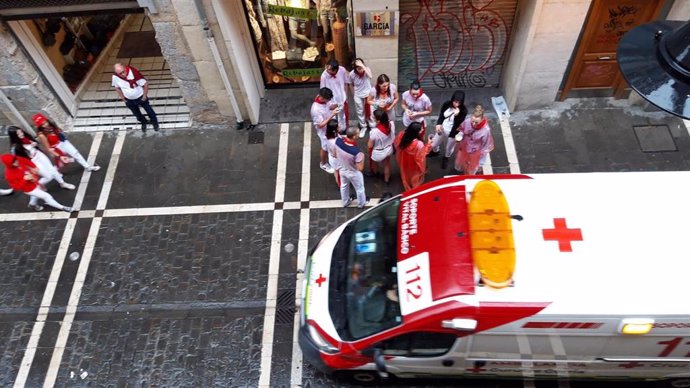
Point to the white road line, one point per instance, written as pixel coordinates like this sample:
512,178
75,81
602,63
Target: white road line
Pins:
510,146
561,365
486,167
51,286
302,248
86,255
201,209
687,125
273,264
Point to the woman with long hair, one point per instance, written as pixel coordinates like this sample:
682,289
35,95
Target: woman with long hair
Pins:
476,142
381,145
411,155
22,175
23,144
332,134
384,95
54,141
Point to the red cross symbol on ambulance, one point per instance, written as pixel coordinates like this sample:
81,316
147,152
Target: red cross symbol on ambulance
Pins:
561,233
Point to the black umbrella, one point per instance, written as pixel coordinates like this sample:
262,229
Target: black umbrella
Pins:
655,60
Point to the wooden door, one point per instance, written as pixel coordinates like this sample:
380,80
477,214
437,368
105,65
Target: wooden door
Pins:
594,66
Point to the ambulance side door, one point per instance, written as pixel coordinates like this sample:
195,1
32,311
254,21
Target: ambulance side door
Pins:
419,353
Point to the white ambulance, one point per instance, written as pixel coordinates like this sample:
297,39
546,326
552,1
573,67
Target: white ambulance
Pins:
555,276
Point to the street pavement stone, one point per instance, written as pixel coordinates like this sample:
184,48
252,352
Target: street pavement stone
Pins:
193,352
14,336
26,258
200,257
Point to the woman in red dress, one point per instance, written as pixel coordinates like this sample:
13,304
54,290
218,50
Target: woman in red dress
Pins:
410,151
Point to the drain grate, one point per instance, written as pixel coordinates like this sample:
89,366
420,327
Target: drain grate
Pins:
255,138
285,315
286,298
655,138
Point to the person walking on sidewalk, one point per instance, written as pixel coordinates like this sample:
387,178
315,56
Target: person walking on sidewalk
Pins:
351,161
381,145
22,175
322,111
335,78
476,142
360,79
411,152
133,90
23,144
452,114
384,95
54,140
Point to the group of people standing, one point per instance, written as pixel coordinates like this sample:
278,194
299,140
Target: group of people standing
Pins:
28,166
468,135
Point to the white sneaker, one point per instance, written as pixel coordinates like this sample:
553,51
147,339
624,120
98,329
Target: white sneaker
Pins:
68,209
327,167
67,186
362,132
348,202
38,208
6,191
93,168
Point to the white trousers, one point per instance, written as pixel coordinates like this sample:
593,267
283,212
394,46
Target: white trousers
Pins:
438,139
360,104
37,193
69,149
46,169
357,180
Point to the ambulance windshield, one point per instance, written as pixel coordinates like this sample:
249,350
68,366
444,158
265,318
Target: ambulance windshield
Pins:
372,294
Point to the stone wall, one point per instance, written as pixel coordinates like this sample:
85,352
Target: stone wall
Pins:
22,84
179,33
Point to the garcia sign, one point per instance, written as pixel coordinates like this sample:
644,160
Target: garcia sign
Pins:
378,23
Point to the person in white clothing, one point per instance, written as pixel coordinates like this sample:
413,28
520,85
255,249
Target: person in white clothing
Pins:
384,95
332,134
335,78
416,106
381,145
351,161
322,111
452,114
133,90
360,83
55,142
23,144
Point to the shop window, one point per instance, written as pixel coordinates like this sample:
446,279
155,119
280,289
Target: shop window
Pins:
294,39
72,44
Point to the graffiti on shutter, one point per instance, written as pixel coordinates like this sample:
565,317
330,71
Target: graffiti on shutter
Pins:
454,44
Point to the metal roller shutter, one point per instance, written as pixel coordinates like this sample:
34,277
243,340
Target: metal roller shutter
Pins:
454,44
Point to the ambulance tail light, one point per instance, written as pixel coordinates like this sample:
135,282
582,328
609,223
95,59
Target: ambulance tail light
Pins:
636,326
320,342
460,324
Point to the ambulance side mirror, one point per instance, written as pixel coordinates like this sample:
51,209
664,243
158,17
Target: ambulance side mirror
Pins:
460,324
380,363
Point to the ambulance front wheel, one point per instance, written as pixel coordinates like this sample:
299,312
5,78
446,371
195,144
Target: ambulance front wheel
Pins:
680,382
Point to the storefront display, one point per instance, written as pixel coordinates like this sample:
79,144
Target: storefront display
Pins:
72,44
294,39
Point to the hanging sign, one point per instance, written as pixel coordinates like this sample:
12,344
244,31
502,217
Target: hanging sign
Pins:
300,13
378,23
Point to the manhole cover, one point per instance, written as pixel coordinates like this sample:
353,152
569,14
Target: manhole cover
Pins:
655,138
256,138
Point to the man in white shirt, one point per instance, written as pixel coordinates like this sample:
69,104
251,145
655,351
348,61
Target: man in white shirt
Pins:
133,90
335,77
351,161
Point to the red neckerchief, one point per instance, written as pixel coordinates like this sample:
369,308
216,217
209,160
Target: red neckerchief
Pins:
334,75
480,125
350,142
361,75
49,129
385,130
318,100
25,140
421,92
135,74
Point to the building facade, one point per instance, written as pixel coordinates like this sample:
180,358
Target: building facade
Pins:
211,61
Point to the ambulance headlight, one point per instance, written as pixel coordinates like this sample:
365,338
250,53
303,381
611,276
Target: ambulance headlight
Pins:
636,326
320,343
